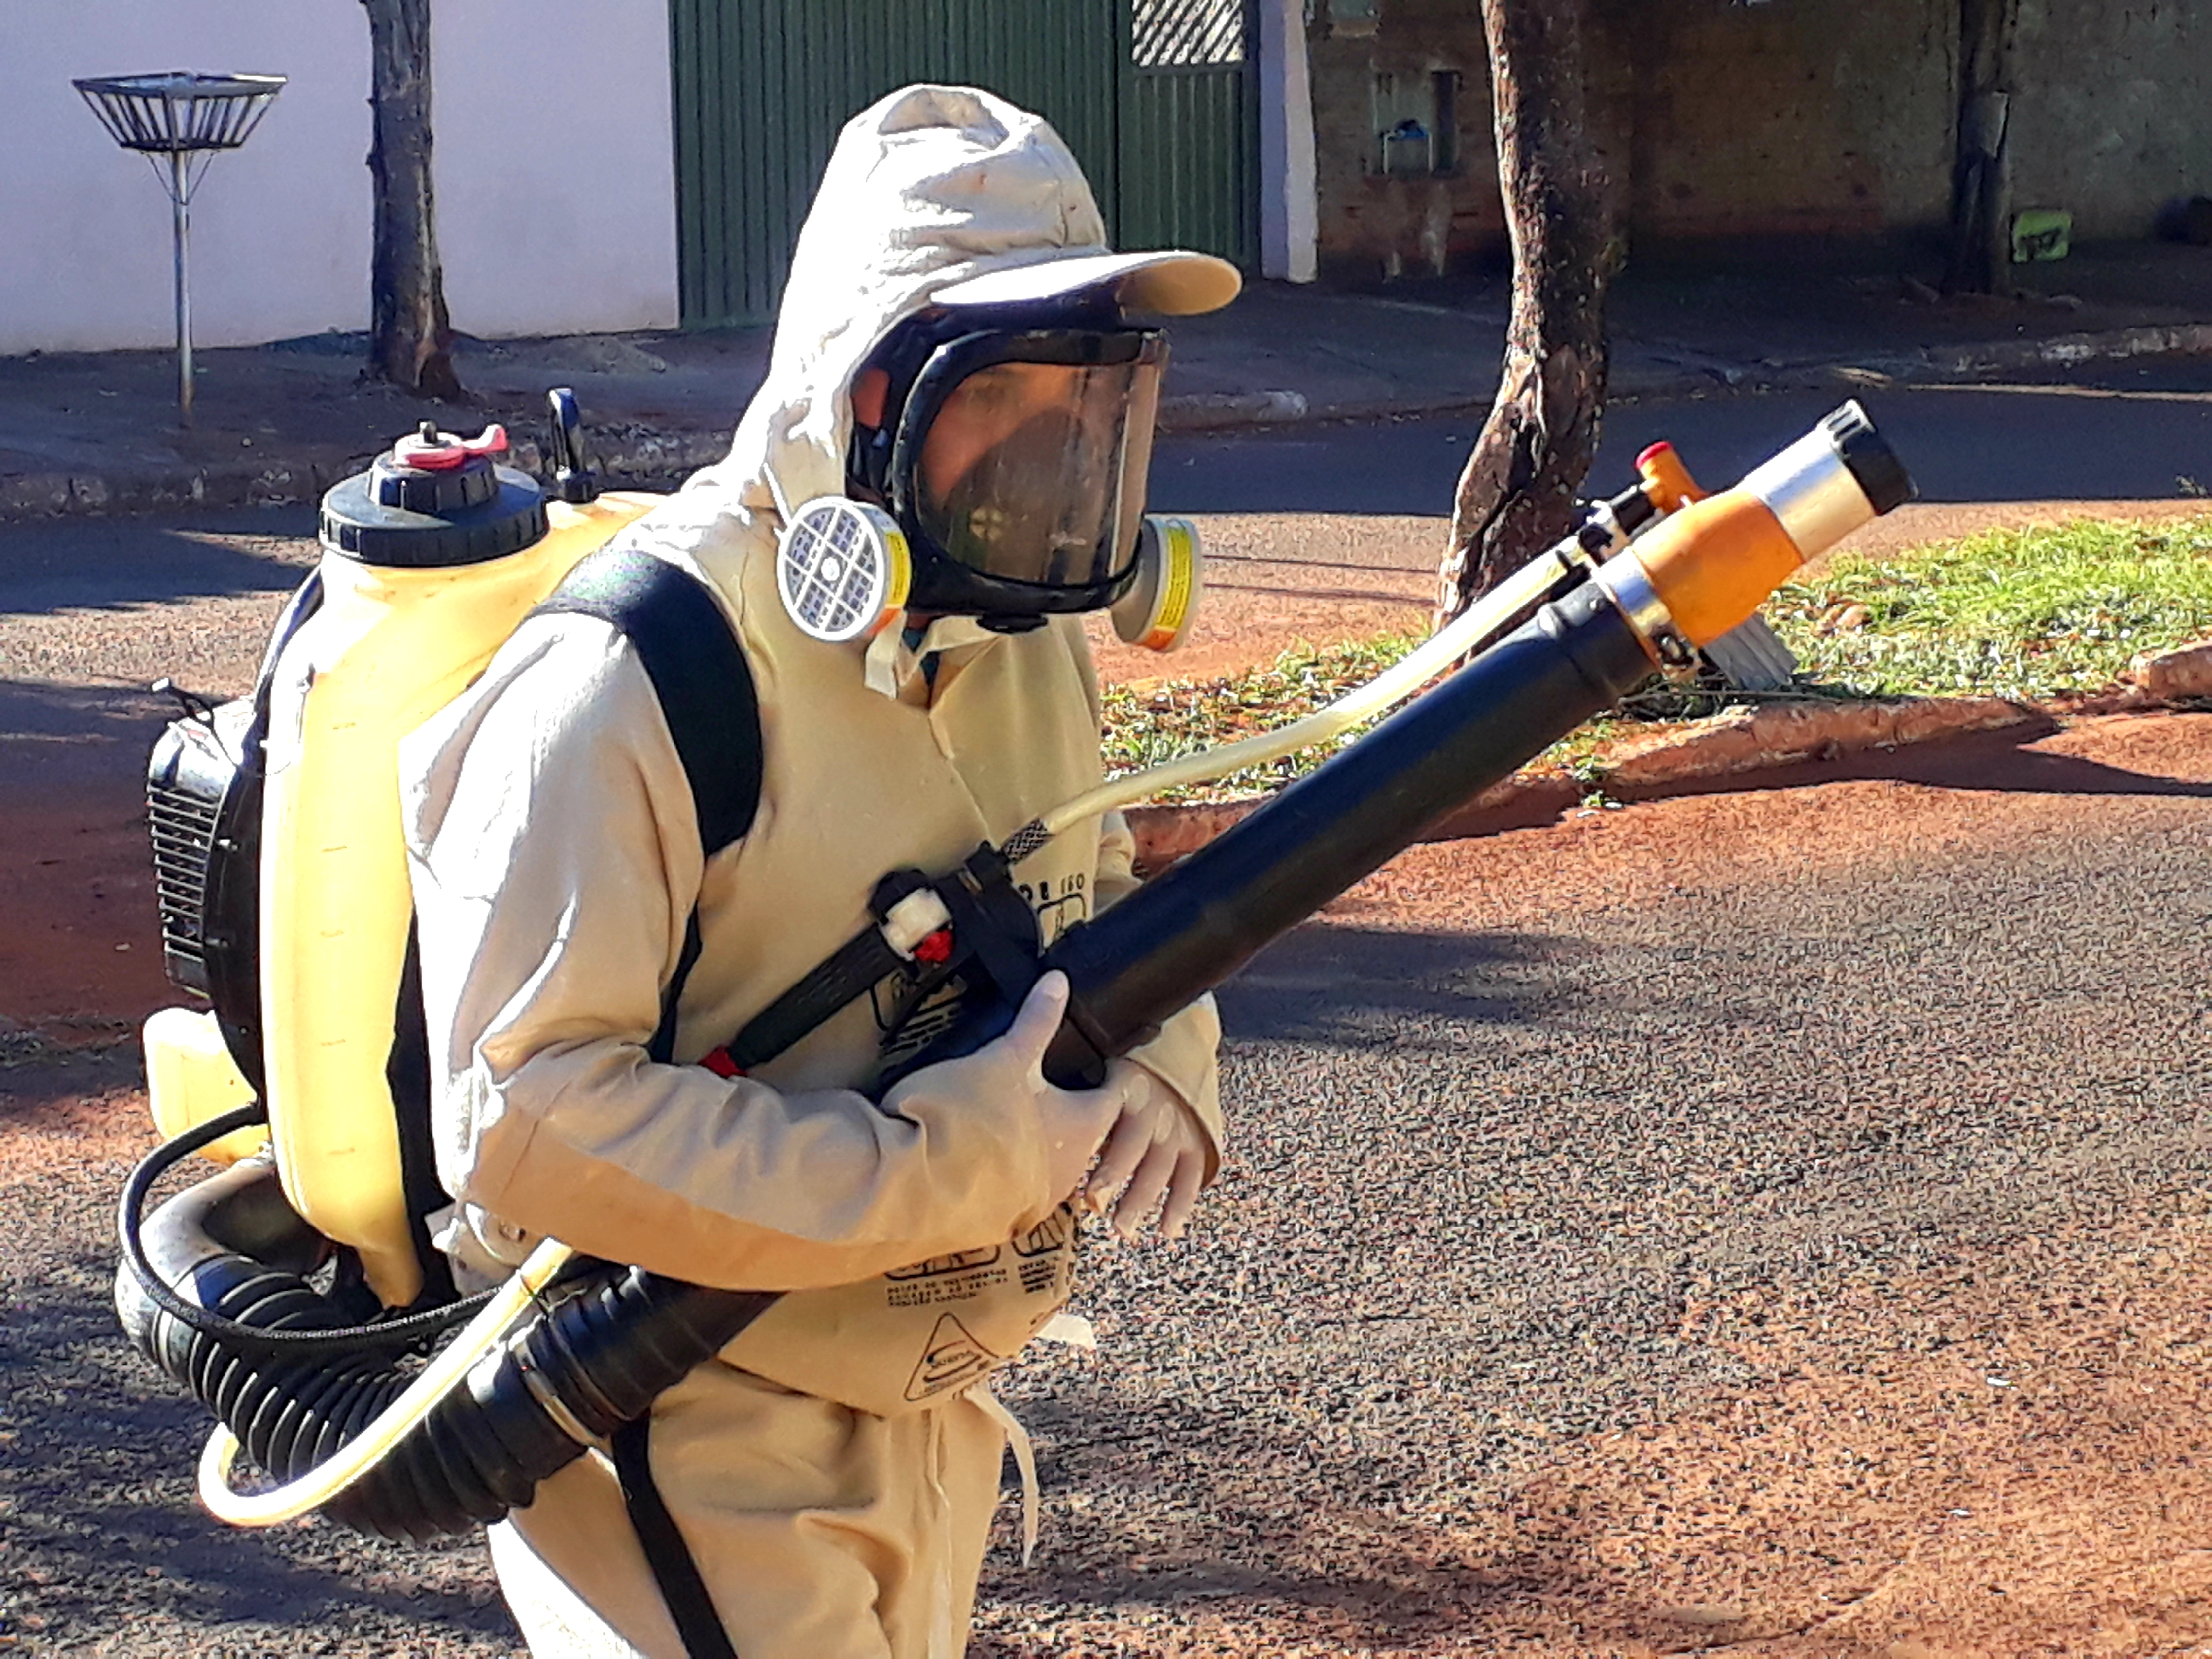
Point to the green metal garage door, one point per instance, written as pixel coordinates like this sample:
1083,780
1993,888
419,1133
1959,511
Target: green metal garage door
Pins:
1154,96
1190,150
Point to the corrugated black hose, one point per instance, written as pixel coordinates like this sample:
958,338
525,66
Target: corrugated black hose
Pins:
232,1247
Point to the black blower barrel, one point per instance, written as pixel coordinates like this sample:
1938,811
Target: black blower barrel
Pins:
1190,928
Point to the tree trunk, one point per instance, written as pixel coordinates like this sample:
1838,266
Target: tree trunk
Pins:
1516,496
410,339
1981,196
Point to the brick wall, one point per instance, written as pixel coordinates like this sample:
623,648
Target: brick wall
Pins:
1374,224
1793,116
1724,119
2113,117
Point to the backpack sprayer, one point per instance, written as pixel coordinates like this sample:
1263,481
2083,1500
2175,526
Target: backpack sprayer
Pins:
311,1379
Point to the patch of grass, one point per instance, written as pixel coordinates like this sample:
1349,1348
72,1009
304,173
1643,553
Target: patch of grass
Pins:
2032,613
2028,614
1149,726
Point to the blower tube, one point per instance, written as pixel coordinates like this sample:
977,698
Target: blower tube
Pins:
1191,927
604,1343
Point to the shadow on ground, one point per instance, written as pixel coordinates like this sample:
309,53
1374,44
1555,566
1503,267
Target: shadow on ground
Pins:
97,1490
115,563
1360,987
2000,762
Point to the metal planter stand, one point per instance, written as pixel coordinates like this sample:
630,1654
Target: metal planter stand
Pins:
177,121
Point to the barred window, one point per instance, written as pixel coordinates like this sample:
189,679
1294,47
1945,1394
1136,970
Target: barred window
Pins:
1177,33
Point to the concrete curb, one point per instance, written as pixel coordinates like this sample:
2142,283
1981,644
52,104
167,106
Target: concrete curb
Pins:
1940,363
636,455
650,455
1740,743
1756,740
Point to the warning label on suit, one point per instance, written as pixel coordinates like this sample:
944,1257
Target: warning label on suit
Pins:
953,1360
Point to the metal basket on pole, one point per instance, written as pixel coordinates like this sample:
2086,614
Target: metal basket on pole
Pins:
177,121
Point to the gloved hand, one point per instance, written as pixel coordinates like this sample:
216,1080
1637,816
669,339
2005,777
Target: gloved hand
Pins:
1157,1154
1074,1120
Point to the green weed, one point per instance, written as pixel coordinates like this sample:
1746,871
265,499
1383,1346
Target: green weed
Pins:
2030,614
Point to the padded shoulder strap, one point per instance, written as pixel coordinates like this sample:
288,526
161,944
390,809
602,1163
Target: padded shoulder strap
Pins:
698,671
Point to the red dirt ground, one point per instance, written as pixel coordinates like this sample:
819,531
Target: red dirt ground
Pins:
1921,1488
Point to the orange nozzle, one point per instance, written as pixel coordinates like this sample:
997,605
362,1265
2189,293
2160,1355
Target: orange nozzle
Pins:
1715,564
1668,484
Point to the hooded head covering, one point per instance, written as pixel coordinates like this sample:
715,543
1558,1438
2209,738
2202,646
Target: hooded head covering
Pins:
934,195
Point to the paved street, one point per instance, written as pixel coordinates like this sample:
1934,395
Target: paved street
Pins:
1842,1148
2113,434
1770,1220
1708,1220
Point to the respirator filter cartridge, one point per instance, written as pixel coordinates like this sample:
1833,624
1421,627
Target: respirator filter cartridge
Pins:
1157,611
842,569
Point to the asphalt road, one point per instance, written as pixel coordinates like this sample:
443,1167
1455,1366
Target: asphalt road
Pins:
1524,1104
1509,1126
2112,434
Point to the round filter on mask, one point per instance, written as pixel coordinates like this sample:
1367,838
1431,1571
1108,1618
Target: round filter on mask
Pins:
842,569
1157,610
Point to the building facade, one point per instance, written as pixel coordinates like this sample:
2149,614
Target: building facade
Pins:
604,164
554,171
608,165
1724,120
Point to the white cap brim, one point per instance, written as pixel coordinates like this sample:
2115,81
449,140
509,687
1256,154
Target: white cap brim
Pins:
1165,282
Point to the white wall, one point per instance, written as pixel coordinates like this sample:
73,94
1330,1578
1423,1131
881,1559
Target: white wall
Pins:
280,228
556,164
556,194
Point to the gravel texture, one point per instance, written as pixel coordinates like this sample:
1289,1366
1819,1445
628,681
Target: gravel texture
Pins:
1771,1221
1624,1224
1538,1137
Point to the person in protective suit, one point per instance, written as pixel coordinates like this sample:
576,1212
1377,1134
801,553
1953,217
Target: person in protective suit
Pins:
954,349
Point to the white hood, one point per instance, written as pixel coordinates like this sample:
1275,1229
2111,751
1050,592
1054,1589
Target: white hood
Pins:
930,187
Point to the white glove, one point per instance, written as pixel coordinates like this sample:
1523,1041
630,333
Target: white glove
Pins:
1073,1120
1157,1154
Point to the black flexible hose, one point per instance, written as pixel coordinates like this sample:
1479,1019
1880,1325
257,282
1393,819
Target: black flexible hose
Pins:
615,1340
417,1331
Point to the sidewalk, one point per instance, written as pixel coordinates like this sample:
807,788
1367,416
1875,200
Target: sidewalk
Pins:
97,433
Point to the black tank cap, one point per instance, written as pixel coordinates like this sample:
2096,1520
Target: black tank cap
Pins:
1872,462
402,517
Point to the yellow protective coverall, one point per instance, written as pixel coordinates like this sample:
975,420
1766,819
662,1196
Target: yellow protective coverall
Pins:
832,1472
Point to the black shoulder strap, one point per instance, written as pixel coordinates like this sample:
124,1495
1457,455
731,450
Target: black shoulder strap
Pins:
698,671
681,1586
706,690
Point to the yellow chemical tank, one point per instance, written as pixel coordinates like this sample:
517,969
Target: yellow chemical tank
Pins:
191,1079
411,613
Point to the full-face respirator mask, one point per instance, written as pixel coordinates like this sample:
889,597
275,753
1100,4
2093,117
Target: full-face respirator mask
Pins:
997,469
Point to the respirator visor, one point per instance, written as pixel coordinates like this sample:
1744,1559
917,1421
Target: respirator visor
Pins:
1022,457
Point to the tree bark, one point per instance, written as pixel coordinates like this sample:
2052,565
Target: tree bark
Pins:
410,338
1517,495
1981,197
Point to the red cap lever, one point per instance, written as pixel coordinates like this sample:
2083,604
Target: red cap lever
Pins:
433,450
